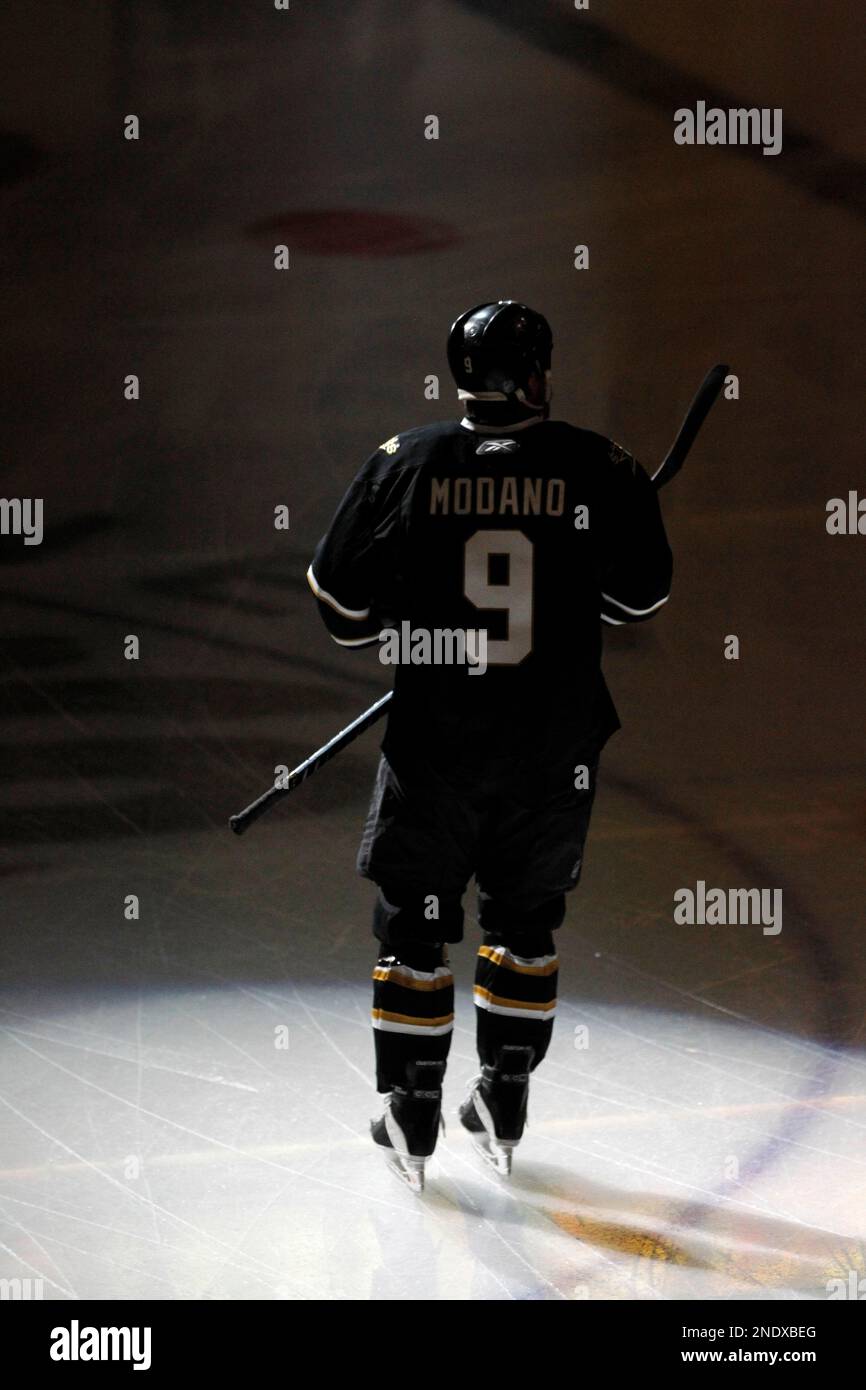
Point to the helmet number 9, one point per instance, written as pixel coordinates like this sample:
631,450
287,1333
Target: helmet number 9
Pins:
514,597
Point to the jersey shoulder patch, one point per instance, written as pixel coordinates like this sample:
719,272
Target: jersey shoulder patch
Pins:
617,454
414,442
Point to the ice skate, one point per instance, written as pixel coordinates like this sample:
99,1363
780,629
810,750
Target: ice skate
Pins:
494,1112
408,1129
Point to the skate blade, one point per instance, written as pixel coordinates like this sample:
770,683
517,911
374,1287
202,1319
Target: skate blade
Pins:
409,1170
498,1154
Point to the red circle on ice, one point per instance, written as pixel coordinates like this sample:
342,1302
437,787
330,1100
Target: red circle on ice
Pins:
353,232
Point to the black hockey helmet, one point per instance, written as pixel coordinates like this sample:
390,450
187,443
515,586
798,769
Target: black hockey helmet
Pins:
494,349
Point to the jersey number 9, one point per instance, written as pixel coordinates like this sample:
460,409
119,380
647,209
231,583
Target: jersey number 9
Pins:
513,597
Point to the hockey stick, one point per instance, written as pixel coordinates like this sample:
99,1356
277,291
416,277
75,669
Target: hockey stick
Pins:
244,819
695,417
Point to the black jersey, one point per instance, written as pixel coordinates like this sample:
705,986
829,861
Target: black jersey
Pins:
523,541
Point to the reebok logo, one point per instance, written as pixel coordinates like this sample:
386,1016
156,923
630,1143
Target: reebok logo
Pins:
497,446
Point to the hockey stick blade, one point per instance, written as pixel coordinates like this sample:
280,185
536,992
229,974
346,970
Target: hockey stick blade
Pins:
696,414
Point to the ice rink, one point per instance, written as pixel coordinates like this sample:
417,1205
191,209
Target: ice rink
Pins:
185,1096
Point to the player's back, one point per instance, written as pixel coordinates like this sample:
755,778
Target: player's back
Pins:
491,556
506,534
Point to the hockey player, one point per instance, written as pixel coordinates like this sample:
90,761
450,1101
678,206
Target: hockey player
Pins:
531,533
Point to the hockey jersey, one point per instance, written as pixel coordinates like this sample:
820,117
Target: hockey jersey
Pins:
485,561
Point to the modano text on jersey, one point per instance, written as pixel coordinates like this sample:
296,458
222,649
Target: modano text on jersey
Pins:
497,496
